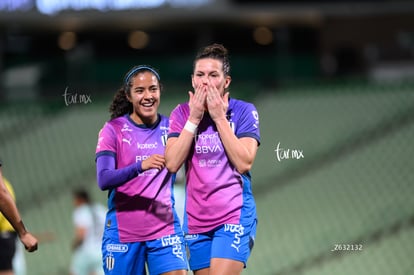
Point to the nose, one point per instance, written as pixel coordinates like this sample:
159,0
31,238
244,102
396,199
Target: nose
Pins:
147,93
204,80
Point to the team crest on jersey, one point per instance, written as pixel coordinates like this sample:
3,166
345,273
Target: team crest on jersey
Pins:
164,139
164,135
230,119
110,262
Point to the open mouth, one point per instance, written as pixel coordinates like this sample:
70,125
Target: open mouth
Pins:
148,104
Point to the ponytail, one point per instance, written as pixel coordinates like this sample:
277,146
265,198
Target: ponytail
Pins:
120,104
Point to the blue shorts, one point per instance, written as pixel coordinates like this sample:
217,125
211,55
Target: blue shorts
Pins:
162,255
229,241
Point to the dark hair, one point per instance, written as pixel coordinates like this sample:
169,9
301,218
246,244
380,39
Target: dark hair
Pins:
120,104
82,194
215,51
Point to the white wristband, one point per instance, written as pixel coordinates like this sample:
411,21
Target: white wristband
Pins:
191,127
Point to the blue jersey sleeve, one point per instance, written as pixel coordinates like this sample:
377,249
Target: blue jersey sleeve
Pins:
248,121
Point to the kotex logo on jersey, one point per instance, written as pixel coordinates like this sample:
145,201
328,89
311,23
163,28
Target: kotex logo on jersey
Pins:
147,145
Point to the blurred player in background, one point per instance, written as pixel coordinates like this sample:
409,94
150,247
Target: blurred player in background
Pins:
88,219
11,228
179,194
217,138
19,260
142,226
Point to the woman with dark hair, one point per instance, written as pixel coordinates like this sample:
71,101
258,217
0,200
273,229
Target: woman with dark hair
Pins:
217,138
142,226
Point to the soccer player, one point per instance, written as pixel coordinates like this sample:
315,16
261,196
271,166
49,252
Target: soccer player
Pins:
10,225
141,225
217,138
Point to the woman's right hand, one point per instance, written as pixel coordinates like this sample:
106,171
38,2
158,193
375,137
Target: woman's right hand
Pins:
29,241
197,104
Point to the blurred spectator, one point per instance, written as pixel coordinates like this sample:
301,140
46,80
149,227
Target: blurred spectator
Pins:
19,260
179,194
89,220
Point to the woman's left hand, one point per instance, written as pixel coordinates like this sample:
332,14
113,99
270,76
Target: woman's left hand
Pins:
217,104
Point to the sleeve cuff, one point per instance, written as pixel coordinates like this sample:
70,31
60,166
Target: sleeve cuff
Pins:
138,166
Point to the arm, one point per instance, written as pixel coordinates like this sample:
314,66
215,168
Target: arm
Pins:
241,152
178,148
9,210
80,233
109,177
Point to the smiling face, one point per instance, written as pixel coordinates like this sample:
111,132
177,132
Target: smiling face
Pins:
145,98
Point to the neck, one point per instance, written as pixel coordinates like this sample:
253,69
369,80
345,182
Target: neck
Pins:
147,121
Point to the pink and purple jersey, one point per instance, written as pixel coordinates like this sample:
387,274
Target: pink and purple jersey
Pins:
141,209
216,193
